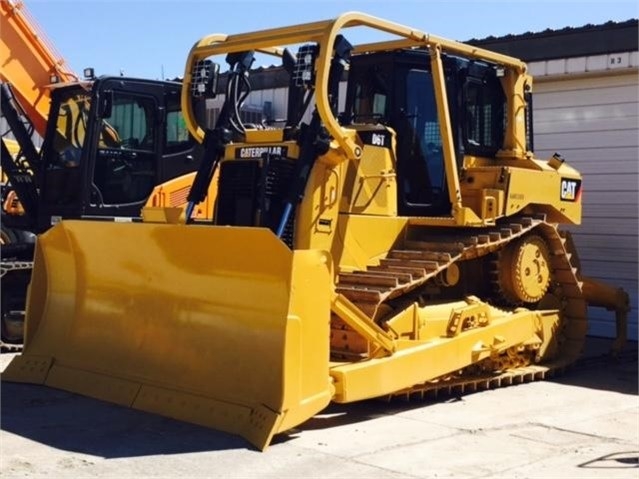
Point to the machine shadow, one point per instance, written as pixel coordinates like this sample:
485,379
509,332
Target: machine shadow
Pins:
336,415
76,423
611,374
599,369
596,370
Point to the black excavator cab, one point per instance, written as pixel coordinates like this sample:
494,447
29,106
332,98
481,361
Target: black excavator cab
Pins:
107,148
109,142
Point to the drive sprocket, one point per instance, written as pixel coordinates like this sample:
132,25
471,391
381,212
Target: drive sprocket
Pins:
523,270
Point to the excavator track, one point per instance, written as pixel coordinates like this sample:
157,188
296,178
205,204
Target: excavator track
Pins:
9,267
420,262
9,347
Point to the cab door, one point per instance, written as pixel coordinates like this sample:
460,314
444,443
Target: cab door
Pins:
125,147
422,187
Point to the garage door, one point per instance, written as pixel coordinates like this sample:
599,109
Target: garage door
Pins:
593,123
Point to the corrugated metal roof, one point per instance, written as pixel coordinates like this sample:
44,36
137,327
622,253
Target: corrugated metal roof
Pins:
609,37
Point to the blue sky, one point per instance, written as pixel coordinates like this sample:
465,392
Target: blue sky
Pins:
149,38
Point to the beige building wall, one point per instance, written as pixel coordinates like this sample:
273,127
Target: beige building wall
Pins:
587,109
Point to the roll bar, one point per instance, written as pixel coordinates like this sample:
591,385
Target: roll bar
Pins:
323,33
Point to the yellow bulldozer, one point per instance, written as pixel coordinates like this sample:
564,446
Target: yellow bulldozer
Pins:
398,239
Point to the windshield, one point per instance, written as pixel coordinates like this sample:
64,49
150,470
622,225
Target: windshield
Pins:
71,123
370,100
131,124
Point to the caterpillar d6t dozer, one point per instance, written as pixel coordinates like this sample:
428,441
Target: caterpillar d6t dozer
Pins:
399,239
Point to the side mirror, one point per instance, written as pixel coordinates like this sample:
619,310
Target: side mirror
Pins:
205,78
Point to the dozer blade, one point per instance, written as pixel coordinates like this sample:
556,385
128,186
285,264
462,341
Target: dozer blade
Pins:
222,327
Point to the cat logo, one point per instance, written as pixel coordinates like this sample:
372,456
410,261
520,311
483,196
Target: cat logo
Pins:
570,189
260,151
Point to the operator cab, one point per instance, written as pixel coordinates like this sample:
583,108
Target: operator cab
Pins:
396,89
108,145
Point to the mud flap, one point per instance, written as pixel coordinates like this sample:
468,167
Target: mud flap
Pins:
223,327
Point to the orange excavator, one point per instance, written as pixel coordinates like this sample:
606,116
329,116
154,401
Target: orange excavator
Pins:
30,63
110,146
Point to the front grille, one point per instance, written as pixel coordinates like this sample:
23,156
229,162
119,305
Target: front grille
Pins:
254,192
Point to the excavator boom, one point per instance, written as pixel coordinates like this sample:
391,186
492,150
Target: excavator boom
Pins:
30,63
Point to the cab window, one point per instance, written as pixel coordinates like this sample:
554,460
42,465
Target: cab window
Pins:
132,120
424,173
177,134
71,124
484,125
370,99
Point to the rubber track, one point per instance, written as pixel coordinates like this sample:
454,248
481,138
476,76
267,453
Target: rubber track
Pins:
406,269
9,266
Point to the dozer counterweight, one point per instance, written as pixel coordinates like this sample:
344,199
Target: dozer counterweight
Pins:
408,243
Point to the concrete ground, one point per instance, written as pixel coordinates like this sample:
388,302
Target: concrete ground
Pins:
582,424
